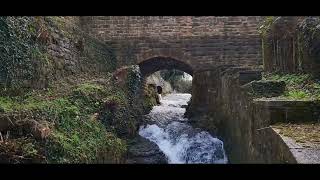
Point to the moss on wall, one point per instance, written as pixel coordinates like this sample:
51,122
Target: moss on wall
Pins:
22,51
130,100
36,51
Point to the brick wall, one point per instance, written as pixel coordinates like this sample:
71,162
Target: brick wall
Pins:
200,41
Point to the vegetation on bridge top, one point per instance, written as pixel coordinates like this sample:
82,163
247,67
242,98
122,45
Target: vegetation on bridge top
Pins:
266,25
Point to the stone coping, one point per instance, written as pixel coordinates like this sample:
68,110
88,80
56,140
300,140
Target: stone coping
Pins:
302,154
272,102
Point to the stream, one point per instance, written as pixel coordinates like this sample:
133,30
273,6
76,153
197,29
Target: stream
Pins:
176,138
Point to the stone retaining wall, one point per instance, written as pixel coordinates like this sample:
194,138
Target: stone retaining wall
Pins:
240,119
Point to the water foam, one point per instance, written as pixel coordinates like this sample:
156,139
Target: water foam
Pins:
181,143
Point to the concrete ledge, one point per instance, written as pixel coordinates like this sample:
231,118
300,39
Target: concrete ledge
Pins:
287,103
303,155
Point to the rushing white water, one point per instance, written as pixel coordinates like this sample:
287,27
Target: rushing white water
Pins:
181,143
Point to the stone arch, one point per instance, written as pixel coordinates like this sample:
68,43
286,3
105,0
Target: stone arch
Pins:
155,64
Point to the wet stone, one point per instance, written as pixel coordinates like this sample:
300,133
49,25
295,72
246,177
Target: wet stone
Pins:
143,151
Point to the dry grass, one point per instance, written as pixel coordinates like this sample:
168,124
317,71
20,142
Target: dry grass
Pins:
306,133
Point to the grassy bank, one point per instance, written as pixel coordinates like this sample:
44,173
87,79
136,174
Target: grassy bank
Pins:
87,121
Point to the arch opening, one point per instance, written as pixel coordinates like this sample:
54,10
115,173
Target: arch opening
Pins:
155,64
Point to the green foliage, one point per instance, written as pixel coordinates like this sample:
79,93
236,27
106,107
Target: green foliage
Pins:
77,137
119,115
89,97
175,78
25,61
297,94
266,24
6,104
308,37
298,86
183,86
150,96
134,81
171,75
19,51
20,150
29,149
99,52
290,79
86,122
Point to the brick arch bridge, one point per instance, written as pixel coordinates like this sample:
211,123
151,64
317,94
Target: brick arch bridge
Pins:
199,42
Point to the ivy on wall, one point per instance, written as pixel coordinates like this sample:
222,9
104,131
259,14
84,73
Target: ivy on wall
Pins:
21,49
38,50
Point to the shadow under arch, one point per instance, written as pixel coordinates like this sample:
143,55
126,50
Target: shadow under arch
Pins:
155,64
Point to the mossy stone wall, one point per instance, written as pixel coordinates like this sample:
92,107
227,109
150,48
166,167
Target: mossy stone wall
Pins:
35,51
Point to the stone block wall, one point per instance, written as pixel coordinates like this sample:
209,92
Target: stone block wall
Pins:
240,120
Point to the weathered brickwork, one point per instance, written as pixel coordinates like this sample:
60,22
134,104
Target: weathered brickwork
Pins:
201,42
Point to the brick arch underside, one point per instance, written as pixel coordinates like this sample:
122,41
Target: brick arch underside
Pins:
155,64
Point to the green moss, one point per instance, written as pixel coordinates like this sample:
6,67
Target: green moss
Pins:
76,137
150,96
290,79
88,88
98,54
85,122
297,94
60,22
88,96
118,115
6,104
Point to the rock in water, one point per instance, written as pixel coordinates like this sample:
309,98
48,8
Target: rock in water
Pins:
143,151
